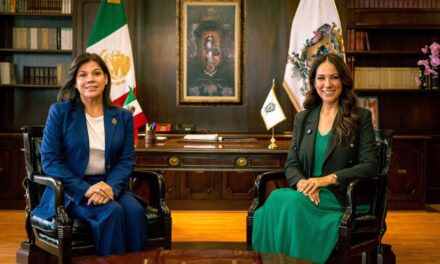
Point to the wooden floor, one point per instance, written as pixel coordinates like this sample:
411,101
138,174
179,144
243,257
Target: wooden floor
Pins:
414,235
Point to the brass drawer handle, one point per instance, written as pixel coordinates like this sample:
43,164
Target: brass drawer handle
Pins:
174,161
241,162
401,171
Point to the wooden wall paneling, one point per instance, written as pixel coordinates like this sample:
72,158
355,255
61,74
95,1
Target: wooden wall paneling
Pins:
266,45
433,171
12,172
31,106
409,112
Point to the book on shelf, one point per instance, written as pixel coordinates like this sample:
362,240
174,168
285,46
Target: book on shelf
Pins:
62,72
44,75
7,73
36,6
367,41
386,78
357,40
42,38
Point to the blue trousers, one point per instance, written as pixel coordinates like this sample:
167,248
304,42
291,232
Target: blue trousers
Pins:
118,226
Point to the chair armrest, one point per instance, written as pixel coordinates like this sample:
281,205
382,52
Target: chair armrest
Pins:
157,189
58,189
260,188
365,188
56,185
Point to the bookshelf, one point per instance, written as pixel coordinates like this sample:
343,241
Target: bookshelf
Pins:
34,40
391,35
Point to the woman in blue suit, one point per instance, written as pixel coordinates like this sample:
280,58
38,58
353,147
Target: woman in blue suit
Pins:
333,143
88,145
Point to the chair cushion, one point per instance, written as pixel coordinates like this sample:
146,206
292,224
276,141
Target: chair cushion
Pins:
366,224
82,230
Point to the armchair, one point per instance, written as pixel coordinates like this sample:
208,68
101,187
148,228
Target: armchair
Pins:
359,234
66,237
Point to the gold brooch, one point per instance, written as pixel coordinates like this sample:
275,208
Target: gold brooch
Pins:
114,121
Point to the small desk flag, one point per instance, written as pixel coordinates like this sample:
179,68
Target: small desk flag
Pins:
110,39
271,111
316,30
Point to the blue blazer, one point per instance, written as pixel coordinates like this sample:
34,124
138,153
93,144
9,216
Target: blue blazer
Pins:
65,152
357,159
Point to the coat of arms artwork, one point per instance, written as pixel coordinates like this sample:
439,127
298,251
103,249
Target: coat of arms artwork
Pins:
210,52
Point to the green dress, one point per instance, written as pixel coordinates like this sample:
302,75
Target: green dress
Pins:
290,224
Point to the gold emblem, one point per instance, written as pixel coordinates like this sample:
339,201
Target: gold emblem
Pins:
174,161
114,1
114,121
241,162
118,64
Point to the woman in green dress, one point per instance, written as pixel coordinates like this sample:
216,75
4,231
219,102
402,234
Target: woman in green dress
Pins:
333,143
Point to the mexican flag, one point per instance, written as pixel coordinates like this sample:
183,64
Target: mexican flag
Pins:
110,39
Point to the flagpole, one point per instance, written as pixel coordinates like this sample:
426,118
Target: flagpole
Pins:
272,141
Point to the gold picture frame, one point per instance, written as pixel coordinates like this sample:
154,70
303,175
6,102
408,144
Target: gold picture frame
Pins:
210,52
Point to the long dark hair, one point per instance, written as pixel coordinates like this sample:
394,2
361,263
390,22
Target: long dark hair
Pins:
347,117
69,92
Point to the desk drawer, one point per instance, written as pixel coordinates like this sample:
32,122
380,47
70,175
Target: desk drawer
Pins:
210,162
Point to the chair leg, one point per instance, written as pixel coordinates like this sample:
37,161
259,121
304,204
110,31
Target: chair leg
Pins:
28,253
379,258
65,244
249,230
364,256
168,234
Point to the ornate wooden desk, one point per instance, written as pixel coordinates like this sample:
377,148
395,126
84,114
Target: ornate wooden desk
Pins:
217,175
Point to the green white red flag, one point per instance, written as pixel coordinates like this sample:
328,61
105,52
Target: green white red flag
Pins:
110,39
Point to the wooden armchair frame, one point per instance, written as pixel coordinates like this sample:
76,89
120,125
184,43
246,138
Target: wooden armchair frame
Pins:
359,234
66,237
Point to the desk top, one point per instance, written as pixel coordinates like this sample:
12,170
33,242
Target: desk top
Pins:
257,145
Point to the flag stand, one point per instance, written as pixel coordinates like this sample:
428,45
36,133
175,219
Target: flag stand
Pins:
272,141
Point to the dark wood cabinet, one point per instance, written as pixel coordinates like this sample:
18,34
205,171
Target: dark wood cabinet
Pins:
407,173
206,176
172,184
433,171
200,185
238,185
395,36
12,172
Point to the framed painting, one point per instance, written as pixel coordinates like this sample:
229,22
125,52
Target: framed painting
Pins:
210,61
371,103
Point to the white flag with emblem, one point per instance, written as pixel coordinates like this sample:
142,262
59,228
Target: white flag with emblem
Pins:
271,112
316,30
110,39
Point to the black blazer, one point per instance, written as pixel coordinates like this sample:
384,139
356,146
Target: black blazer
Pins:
357,159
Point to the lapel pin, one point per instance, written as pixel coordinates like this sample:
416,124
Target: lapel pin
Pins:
114,121
309,131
